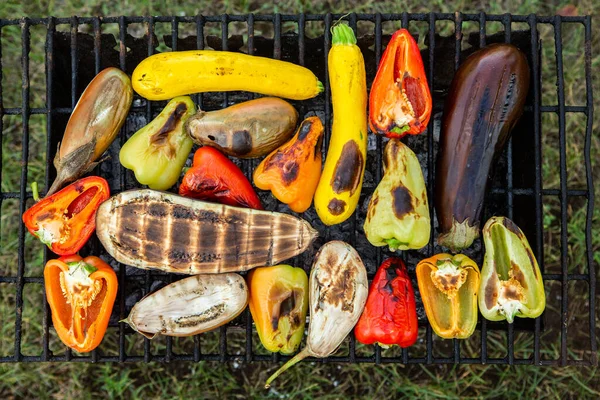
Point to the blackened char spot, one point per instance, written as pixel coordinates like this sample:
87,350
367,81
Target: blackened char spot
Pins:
336,207
207,315
304,130
511,226
532,261
348,169
402,201
317,151
241,142
157,210
181,212
289,172
161,137
179,257
390,275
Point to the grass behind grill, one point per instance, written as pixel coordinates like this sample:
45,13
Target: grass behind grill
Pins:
83,380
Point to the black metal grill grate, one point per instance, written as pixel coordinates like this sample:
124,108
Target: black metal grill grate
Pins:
66,68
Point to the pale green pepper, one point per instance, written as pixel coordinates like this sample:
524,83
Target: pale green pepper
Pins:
157,152
398,214
511,281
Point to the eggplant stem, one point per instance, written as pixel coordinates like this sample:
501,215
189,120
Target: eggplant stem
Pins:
297,358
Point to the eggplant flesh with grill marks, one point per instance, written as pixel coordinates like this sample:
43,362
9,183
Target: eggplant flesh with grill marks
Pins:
158,230
485,101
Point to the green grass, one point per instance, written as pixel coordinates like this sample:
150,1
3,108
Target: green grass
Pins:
307,380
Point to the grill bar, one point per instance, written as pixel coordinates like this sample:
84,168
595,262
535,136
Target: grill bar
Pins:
169,353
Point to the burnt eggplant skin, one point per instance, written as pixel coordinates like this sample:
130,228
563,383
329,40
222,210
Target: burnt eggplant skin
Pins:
485,101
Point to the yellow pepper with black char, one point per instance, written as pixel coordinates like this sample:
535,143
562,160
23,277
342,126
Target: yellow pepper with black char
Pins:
398,213
278,304
157,152
341,181
448,286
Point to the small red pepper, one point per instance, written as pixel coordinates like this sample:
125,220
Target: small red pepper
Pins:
214,177
390,315
400,101
65,221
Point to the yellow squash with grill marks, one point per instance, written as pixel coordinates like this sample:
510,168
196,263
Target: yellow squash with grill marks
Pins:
341,181
167,75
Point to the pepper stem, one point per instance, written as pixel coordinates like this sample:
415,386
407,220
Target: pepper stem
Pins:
343,35
298,357
35,191
320,87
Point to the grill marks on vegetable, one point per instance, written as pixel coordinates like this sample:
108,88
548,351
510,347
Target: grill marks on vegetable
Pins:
337,283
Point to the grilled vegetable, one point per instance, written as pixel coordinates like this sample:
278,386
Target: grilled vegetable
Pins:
81,293
278,304
166,75
338,290
400,101
93,125
247,130
214,177
511,281
390,315
398,213
448,286
485,101
292,171
149,229
158,151
190,306
65,220
341,181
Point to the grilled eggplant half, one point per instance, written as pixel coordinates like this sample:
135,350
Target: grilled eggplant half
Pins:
158,230
485,102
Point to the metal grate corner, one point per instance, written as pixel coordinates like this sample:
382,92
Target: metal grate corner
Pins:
64,68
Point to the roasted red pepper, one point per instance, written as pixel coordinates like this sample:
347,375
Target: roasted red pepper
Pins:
400,101
66,220
390,316
214,177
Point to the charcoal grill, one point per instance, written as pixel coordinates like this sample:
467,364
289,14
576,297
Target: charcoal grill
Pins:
73,57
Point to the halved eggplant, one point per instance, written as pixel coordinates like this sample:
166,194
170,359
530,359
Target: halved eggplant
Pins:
485,102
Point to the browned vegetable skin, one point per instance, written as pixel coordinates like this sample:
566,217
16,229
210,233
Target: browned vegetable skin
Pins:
93,125
158,230
485,102
246,130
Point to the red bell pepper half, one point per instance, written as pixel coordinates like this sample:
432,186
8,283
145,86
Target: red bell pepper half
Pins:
214,177
400,101
66,220
390,315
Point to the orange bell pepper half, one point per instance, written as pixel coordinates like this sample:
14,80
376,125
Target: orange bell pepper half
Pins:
292,171
81,294
66,220
400,101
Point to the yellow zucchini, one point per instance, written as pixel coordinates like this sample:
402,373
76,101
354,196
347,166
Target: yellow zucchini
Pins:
341,181
167,75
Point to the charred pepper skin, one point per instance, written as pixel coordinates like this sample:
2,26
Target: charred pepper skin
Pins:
278,303
398,213
485,101
448,286
390,315
400,100
512,284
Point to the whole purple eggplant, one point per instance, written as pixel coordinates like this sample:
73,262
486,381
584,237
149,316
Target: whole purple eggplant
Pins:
485,102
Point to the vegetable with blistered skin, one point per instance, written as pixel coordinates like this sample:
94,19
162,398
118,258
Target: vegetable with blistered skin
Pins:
341,181
166,75
65,220
338,288
448,286
157,230
292,171
398,213
486,99
93,125
81,293
400,101
511,281
246,130
278,304
390,315
157,152
190,306
214,177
